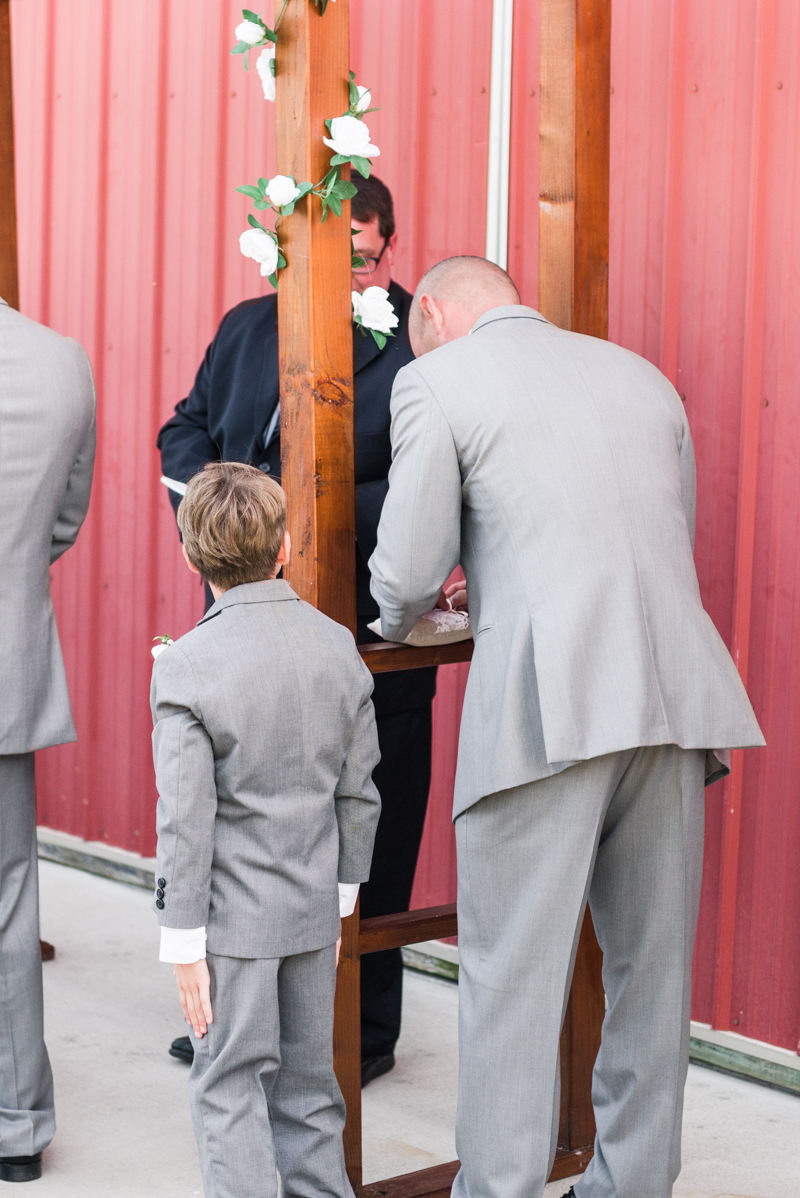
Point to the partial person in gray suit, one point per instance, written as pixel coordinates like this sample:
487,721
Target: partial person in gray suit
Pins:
47,438
558,470
264,746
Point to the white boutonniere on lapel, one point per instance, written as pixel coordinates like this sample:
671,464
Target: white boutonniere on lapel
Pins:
372,309
164,642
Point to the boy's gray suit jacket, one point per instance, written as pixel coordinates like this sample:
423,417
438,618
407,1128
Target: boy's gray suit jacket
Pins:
47,441
558,470
264,746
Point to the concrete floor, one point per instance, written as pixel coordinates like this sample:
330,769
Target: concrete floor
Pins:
123,1121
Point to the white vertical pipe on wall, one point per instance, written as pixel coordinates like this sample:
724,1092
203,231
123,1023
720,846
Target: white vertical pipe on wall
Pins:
499,133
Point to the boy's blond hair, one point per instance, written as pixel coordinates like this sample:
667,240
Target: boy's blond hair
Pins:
232,520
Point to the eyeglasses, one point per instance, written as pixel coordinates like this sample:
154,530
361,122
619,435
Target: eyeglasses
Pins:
370,264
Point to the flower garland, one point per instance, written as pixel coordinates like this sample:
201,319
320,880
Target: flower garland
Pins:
350,142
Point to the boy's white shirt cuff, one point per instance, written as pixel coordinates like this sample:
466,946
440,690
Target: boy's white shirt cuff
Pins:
348,894
182,946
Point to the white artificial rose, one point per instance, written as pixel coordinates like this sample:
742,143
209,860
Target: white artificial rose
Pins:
250,33
282,190
364,98
255,243
375,310
350,138
265,58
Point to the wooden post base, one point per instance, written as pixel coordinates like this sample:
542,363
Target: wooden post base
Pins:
437,1182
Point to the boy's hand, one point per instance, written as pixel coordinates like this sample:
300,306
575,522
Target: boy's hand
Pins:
338,950
194,988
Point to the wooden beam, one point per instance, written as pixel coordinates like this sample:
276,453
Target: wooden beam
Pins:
575,92
574,114
407,927
437,1182
387,655
315,336
9,285
315,331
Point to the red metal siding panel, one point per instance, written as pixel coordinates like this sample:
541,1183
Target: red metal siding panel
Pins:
134,125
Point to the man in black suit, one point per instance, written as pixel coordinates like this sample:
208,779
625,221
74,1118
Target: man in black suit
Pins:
232,414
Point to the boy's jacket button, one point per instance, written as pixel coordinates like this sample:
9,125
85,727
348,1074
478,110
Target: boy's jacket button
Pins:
160,904
162,881
159,893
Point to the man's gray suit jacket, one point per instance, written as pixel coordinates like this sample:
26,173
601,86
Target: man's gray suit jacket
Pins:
264,746
558,469
47,441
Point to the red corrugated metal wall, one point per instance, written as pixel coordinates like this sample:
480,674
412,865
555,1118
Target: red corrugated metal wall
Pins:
134,126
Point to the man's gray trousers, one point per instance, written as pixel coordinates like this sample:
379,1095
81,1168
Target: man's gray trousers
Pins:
262,1089
27,1120
625,831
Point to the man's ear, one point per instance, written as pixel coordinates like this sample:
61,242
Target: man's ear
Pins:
192,567
391,249
433,313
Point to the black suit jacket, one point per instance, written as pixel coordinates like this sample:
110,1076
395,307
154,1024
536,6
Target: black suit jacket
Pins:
228,412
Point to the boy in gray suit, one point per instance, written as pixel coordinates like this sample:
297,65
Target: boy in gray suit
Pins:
264,746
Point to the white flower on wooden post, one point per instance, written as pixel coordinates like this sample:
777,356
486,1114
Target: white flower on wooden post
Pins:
250,33
364,98
350,138
265,65
282,190
255,243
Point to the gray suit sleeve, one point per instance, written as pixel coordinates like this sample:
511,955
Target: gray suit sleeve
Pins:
688,477
187,795
419,535
358,804
75,503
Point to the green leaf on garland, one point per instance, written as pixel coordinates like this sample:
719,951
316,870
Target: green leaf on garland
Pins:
281,260
361,165
255,223
345,190
380,338
271,62
328,124
273,279
335,204
261,204
263,184
305,188
353,91
338,159
288,209
247,189
322,5
240,48
356,262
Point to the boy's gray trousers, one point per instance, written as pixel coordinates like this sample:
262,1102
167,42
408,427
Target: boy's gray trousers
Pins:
262,1089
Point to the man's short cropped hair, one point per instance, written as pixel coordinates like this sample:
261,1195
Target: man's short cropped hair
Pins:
232,520
372,199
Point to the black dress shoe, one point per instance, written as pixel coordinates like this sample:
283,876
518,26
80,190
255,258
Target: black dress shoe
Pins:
372,1067
570,1193
182,1049
21,1168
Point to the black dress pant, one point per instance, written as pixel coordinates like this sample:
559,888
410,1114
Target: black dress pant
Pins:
403,779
